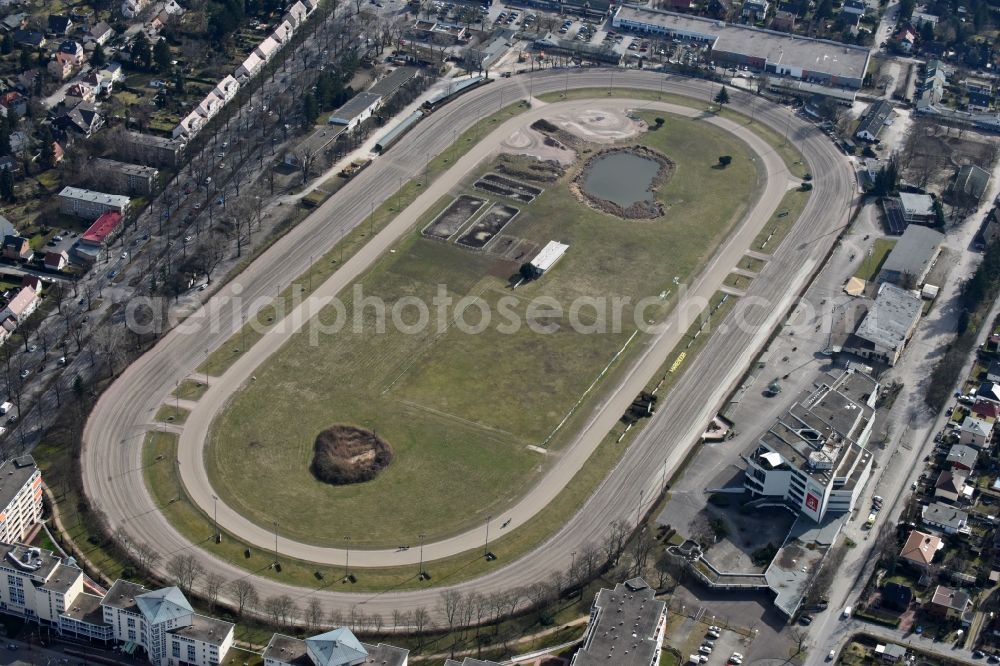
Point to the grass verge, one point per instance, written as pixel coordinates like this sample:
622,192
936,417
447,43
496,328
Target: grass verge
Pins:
172,414
872,264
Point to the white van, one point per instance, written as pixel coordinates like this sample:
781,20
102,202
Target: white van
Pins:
847,612
5,407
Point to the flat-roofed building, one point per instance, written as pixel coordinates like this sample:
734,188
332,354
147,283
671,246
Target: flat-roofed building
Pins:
89,203
20,498
814,457
815,60
356,110
153,150
626,627
547,257
912,257
125,178
885,330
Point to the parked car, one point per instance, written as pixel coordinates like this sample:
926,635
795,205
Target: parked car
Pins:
832,655
715,629
846,613
704,649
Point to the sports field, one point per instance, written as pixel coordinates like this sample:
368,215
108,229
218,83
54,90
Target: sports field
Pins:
461,410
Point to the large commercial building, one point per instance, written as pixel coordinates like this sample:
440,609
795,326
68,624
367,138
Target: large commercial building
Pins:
90,204
813,60
912,257
885,330
339,647
20,497
626,627
814,458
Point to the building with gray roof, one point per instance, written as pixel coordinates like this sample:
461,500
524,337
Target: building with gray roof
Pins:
777,53
912,257
356,110
944,518
885,330
917,208
874,120
626,627
339,647
962,457
814,458
970,183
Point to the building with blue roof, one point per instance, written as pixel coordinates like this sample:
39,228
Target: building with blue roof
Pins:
339,647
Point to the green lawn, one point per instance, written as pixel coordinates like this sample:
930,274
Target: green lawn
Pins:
781,221
190,389
460,409
873,262
172,414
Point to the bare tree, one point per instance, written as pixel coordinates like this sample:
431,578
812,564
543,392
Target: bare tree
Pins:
314,614
421,621
451,602
245,594
281,610
642,544
213,588
614,543
146,557
184,569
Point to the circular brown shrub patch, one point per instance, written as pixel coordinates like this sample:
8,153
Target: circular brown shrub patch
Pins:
345,454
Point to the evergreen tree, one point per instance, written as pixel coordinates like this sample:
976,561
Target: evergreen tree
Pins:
723,97
24,60
7,186
98,58
310,109
46,153
161,55
140,53
4,139
7,45
179,81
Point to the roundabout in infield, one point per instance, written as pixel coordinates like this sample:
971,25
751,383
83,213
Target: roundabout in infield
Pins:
114,482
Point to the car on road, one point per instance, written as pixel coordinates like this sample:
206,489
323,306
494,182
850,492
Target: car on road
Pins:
12,419
832,655
188,239
61,360
125,254
32,348
846,613
25,373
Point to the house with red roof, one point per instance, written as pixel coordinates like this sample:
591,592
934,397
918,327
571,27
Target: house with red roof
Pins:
102,229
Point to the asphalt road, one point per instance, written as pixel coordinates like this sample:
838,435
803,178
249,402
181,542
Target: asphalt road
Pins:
111,453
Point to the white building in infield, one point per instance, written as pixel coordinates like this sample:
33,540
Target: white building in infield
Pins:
547,257
814,458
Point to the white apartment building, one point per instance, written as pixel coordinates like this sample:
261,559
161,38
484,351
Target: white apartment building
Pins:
164,625
89,203
626,627
20,498
814,458
339,647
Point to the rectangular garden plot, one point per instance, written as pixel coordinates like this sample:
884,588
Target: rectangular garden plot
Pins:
454,217
507,187
487,227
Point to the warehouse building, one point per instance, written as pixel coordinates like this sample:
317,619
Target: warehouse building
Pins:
912,257
813,60
887,327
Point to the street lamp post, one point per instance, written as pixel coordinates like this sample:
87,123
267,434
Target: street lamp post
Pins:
347,560
276,543
215,511
486,545
420,567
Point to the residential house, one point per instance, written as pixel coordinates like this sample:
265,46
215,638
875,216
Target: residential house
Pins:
60,69
80,92
59,25
19,308
13,102
874,120
226,89
976,432
336,647
267,48
100,33
854,7
933,86
920,16
13,22
34,282
905,39
29,39
920,549
189,126
896,596
754,10
132,8
296,14
56,261
249,67
962,458
970,184
948,603
70,51
951,486
16,247
283,32
989,391
993,372
83,118
720,9
945,518
918,208
979,92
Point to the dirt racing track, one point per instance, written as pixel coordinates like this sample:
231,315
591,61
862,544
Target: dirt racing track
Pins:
113,437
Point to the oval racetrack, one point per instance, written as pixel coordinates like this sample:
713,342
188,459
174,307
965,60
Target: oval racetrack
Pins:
115,431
